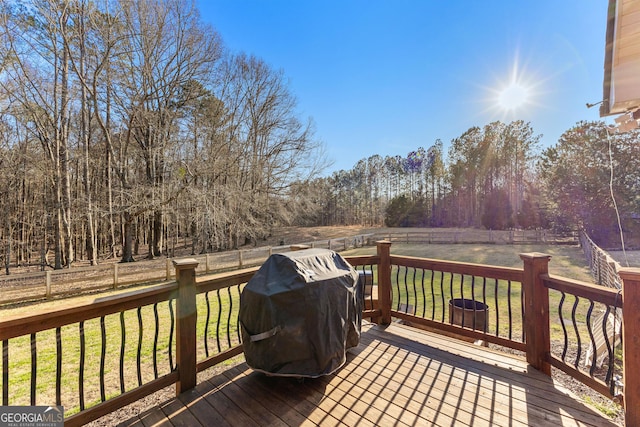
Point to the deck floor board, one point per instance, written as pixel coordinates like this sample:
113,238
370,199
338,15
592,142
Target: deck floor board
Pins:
396,376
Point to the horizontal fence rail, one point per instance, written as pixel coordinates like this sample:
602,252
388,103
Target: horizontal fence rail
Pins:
479,236
34,286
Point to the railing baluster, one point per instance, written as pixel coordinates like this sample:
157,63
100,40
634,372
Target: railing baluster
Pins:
155,340
238,316
406,310
81,370
398,286
229,316
139,351
594,355
206,324
473,298
424,294
462,297
524,330
218,321
404,282
509,309
610,347
172,316
564,327
415,293
34,368
5,373
433,295
484,301
495,297
58,366
577,332
103,353
442,294
123,340
378,286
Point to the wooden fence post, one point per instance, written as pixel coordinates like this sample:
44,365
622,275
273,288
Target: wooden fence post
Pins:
536,310
48,283
631,344
186,324
384,280
115,275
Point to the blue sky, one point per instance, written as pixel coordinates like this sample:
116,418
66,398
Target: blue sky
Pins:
387,77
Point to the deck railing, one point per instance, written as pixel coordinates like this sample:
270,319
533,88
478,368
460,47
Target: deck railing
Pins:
142,341
102,355
578,358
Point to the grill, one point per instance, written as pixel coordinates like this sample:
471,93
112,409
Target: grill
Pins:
300,313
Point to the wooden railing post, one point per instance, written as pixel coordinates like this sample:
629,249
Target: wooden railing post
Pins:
536,310
631,344
384,280
186,323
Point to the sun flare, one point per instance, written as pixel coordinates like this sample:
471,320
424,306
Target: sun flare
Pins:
516,94
513,96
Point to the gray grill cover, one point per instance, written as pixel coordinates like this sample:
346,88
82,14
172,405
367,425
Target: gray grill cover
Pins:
299,314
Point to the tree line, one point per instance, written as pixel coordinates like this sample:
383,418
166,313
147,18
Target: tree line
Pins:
498,177
128,123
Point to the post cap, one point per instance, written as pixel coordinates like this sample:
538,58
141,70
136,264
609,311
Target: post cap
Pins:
185,263
534,255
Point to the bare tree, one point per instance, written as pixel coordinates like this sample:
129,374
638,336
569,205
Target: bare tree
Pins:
37,84
274,147
166,47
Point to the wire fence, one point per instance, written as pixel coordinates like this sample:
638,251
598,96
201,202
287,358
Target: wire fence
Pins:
604,268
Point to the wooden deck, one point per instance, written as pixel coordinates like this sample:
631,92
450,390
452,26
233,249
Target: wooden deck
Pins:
396,376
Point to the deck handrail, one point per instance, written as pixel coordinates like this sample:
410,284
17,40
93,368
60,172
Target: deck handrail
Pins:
531,285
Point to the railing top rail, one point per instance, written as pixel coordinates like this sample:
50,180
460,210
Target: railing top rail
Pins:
362,259
596,293
24,325
224,280
479,270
